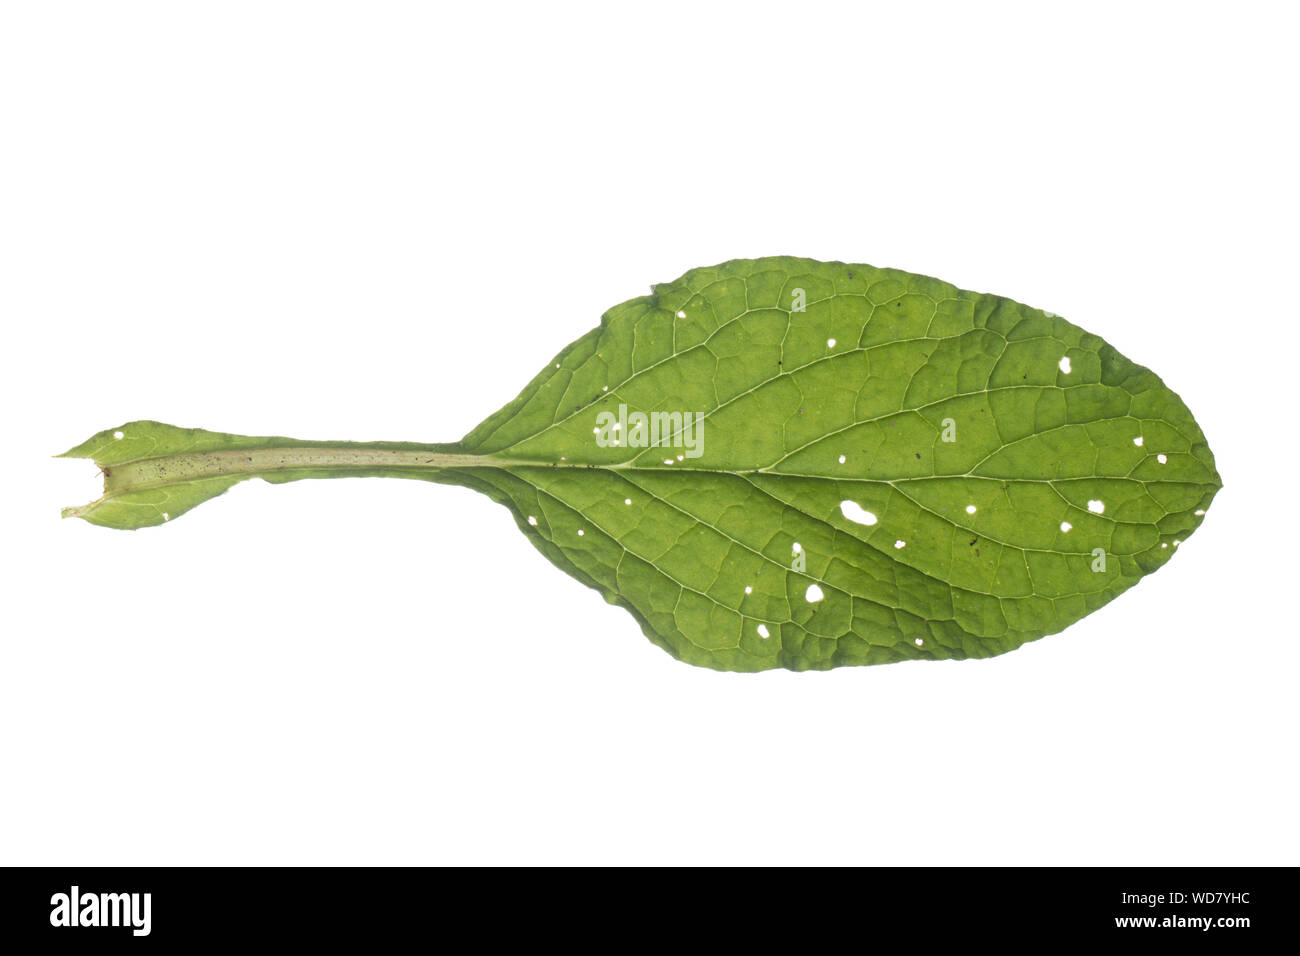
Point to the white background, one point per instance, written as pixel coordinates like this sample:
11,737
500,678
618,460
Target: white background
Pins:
378,221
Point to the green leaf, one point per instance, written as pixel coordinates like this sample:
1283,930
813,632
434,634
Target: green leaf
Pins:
865,466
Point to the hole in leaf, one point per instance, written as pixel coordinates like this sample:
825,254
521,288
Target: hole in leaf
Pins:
627,501
1064,364
532,520
970,509
796,547
1161,458
118,435
1138,441
919,642
813,594
842,459
763,632
581,532
900,543
1200,511
1096,506
830,343
855,512
681,315
1066,526
748,589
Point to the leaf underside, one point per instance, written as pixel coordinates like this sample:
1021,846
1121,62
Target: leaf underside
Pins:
1016,472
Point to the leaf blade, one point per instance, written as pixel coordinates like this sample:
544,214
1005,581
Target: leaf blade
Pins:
1011,572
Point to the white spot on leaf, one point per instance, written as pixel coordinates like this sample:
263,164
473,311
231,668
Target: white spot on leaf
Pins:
763,632
1064,364
118,435
900,543
1138,441
1066,526
1161,458
813,594
919,642
532,520
681,314
855,512
748,589
627,501
842,459
581,532
970,509
830,343
1096,506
